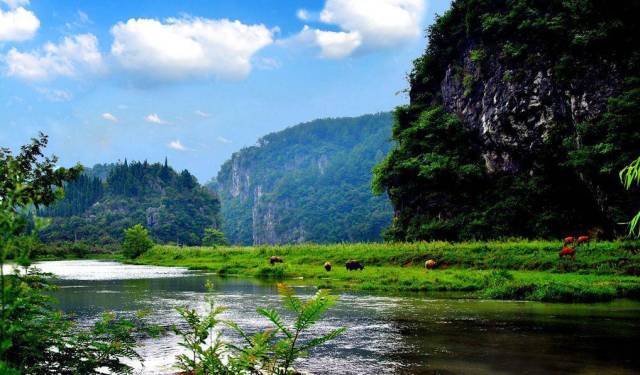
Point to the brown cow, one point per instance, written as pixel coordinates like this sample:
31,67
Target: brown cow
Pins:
430,264
568,252
274,259
583,239
352,265
327,266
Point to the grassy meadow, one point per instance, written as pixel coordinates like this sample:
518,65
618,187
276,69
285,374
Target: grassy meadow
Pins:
527,270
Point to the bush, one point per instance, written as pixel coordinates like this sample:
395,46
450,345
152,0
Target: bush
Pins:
79,249
214,237
136,241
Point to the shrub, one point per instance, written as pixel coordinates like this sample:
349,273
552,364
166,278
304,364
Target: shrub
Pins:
136,241
214,237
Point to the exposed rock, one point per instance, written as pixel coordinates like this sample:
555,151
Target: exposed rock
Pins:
514,111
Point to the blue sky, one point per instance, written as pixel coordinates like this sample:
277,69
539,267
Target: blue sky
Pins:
196,81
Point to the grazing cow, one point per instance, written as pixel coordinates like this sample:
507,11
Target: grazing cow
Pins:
327,266
583,239
274,259
568,252
352,265
568,240
430,264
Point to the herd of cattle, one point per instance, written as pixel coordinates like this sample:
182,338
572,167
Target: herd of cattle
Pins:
570,251
351,265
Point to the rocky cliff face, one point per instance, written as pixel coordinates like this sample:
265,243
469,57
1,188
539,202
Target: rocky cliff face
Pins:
514,110
310,182
521,115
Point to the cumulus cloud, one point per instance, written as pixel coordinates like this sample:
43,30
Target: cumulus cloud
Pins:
364,25
74,55
223,140
154,119
180,48
177,145
109,117
332,44
17,24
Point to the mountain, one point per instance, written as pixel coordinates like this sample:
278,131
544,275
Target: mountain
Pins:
521,115
109,198
310,182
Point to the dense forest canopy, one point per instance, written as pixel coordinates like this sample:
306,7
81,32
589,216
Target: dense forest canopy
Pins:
308,183
107,199
521,115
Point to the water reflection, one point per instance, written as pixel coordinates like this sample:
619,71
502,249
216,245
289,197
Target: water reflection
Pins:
399,334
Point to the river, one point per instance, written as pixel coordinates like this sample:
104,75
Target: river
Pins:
400,334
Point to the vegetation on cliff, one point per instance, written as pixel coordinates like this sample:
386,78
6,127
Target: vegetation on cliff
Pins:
521,115
307,183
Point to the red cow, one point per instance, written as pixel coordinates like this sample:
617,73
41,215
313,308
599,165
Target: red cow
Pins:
583,239
568,252
568,240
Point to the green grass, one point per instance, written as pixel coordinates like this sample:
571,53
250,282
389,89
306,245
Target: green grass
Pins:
529,270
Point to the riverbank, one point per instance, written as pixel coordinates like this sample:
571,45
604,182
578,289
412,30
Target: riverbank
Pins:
524,270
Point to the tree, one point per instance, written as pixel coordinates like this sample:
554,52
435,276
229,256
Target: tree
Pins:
136,241
214,237
631,175
34,337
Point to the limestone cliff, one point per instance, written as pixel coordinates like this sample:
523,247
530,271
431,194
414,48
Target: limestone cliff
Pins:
310,182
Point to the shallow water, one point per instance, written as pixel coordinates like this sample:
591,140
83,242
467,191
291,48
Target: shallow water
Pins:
409,334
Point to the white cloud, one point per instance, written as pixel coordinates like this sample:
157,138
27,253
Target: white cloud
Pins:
154,119
16,3
364,24
74,55
332,44
177,145
303,14
202,114
17,24
381,22
223,140
55,95
109,117
181,48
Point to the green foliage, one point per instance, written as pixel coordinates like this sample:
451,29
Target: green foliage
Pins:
567,181
204,348
434,161
214,237
269,352
34,337
477,55
314,178
630,175
111,198
136,241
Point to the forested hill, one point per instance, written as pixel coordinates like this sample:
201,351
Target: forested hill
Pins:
108,198
310,182
521,115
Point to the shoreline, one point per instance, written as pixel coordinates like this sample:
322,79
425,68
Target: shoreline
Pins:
521,270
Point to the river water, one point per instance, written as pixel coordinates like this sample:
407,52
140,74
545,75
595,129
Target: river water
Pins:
404,334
